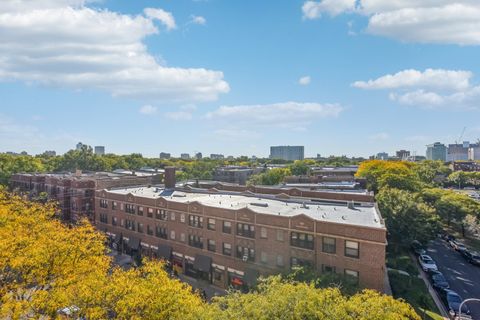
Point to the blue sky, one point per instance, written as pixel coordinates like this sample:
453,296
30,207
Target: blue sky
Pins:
343,77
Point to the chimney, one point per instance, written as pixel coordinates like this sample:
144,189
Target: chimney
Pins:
78,173
170,177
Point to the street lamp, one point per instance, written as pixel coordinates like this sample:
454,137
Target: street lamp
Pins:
461,304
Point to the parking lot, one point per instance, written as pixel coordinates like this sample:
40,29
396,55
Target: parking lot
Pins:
463,277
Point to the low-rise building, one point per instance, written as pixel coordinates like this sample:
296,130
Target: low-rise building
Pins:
234,174
229,234
165,155
99,150
185,156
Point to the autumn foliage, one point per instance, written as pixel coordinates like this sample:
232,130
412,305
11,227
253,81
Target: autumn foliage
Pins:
46,266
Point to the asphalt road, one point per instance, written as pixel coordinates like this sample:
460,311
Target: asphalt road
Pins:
463,277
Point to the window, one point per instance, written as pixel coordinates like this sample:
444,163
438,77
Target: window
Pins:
160,232
140,227
129,208
211,224
182,217
246,254
103,203
161,214
172,235
297,262
328,245
195,221
150,212
263,257
130,224
140,211
352,274
114,205
182,237
328,269
227,227
103,218
280,260
279,235
301,240
227,249
263,233
149,230
172,216
114,221
195,241
245,230
211,245
351,249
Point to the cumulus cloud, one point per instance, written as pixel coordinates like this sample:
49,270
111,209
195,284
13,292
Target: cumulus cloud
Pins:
304,81
148,109
198,20
424,21
429,89
430,78
287,114
67,44
165,17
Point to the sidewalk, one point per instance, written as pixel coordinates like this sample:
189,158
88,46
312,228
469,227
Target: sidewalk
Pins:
210,290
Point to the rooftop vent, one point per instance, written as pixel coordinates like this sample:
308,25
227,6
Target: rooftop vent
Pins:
259,204
304,206
351,205
344,217
179,195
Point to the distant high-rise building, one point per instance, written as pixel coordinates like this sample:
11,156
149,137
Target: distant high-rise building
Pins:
165,155
79,146
382,156
436,151
403,154
458,151
50,153
289,153
198,156
215,156
185,156
99,150
474,152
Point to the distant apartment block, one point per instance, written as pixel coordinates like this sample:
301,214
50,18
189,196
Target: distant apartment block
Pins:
382,156
474,152
403,154
165,155
99,150
436,151
50,153
289,153
215,156
185,156
234,174
198,156
228,235
458,151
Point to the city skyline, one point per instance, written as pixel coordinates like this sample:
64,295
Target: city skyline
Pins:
189,76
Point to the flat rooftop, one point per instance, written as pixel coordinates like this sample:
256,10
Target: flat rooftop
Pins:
365,215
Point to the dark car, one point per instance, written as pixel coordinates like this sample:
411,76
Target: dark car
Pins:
438,281
447,237
472,257
452,301
418,248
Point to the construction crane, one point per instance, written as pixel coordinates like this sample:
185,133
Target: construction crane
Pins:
459,140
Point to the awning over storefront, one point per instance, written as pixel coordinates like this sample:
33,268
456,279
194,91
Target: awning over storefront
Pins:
164,251
251,276
202,263
134,243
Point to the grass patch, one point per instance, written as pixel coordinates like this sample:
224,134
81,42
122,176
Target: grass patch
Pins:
400,259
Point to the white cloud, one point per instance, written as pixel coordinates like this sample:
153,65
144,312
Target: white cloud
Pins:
96,49
288,115
432,88
430,78
179,115
148,109
304,81
198,20
424,21
165,17
381,136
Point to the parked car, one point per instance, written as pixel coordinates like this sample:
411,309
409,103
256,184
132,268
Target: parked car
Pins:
447,237
427,263
438,281
452,301
417,248
457,245
472,257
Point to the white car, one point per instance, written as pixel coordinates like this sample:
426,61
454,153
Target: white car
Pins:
458,246
427,263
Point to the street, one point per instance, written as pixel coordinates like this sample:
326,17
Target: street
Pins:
463,277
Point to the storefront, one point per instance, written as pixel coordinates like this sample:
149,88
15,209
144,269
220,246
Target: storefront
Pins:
218,277
177,262
203,267
134,249
242,281
189,269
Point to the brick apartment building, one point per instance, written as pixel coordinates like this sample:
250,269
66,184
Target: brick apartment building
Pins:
75,192
228,235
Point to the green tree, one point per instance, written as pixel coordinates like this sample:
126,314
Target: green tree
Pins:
299,168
